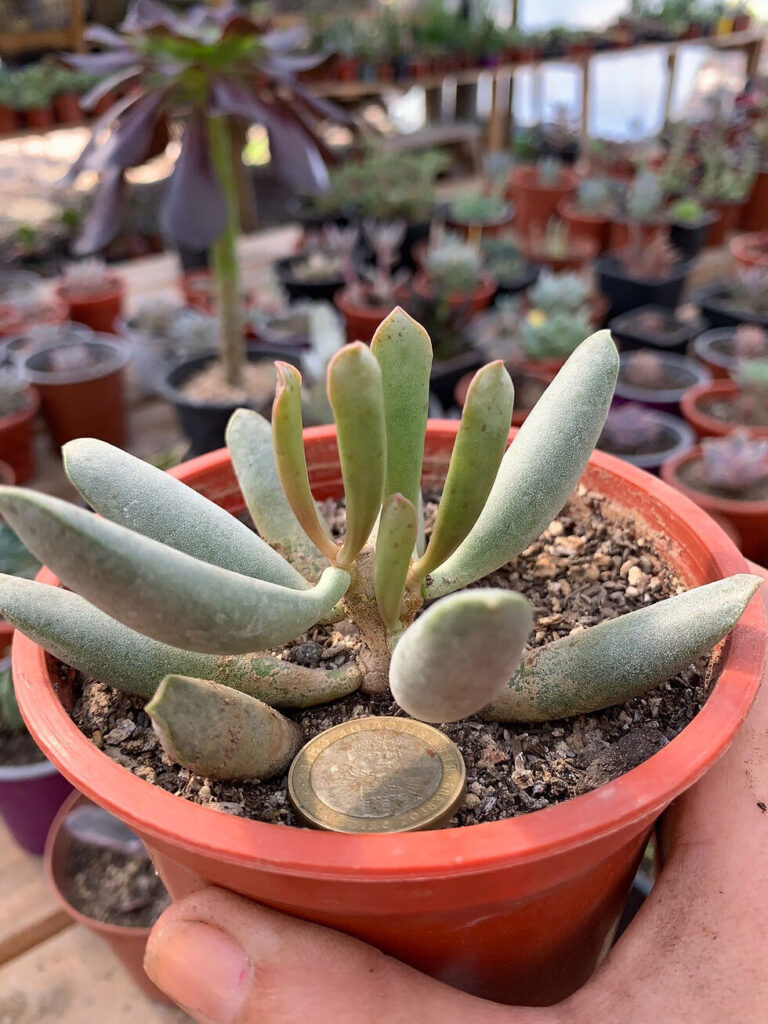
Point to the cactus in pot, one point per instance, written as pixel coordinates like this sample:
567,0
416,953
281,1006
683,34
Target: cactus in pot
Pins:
172,599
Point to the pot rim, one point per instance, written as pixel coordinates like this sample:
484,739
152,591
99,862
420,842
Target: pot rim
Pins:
689,403
172,393
703,351
114,289
568,209
611,265
29,411
643,791
662,396
526,176
684,439
119,355
724,506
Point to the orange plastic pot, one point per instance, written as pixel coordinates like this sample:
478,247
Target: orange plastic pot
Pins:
128,944
702,422
534,202
750,250
16,319
748,518
519,911
98,311
729,218
590,226
478,300
39,118
754,215
17,441
361,321
66,107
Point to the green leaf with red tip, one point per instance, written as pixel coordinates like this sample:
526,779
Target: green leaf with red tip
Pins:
291,459
243,738
459,654
404,352
541,467
159,591
475,459
395,542
357,401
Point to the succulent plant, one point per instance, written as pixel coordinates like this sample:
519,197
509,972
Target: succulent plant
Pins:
676,174
328,256
377,285
86,277
549,170
735,462
647,261
478,208
503,258
644,368
750,342
751,288
497,331
553,243
168,596
13,396
727,176
630,427
644,198
453,266
594,195
566,292
179,332
553,335
687,211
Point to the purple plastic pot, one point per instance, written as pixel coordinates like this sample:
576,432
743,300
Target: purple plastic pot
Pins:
689,373
30,797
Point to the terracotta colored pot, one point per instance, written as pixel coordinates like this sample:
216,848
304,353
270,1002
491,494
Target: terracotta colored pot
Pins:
16,439
476,232
750,250
590,226
98,311
519,911
729,218
478,300
749,518
17,319
9,121
581,251
536,203
82,403
66,107
619,233
754,214
706,425
347,69
41,119
361,321
128,944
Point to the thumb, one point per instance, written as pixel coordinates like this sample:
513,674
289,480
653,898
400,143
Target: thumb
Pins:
226,960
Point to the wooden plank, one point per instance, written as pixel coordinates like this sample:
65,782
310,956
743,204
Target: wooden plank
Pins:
74,978
28,911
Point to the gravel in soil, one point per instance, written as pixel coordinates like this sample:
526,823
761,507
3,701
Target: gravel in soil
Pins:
589,565
114,887
691,473
211,385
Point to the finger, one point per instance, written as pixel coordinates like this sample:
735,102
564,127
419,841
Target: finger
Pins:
226,960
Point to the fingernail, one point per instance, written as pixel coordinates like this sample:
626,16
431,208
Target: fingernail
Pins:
201,968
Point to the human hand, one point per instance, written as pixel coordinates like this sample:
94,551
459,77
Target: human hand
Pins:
695,953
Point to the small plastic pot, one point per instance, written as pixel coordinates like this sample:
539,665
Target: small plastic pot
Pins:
9,121
535,202
315,291
478,300
702,422
626,330
361,321
619,233
595,227
86,402
749,518
750,250
16,319
475,232
679,436
728,219
529,275
40,118
719,312
17,441
98,311
754,215
66,107
690,373
625,292
690,239
706,348
581,251
128,944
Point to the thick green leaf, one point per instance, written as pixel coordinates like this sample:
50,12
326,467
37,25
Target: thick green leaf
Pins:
80,635
243,738
394,545
134,494
404,352
541,467
624,657
475,460
459,653
159,591
291,459
249,439
355,394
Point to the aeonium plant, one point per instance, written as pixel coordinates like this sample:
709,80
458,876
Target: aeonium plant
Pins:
172,599
210,66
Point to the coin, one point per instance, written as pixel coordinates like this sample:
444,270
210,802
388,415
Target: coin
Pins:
377,775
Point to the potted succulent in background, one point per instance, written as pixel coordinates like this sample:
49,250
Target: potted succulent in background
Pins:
211,66
103,878
18,406
589,213
22,311
657,327
453,273
367,885
643,273
644,436
721,349
512,271
743,300
721,406
537,190
33,96
728,476
81,385
726,181
477,215
658,379
93,294
689,225
371,295
9,121
322,266
750,250
554,248
642,211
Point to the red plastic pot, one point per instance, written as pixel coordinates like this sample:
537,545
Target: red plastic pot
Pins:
16,439
98,311
729,218
478,300
534,202
41,118
754,214
590,226
519,911
749,518
361,321
750,250
706,425
128,944
9,121
66,107
17,319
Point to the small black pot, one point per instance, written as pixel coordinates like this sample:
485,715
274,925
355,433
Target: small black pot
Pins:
690,239
719,312
687,373
679,437
625,292
193,259
204,424
311,220
315,291
514,286
629,335
446,374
